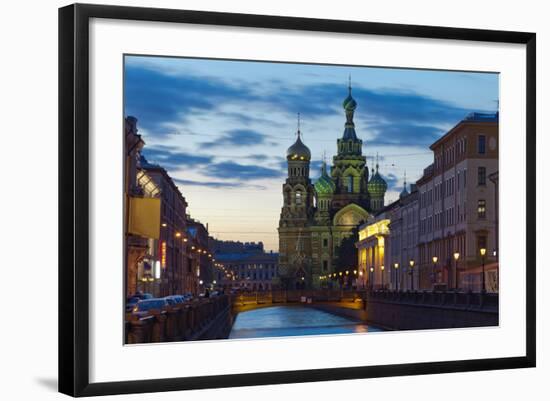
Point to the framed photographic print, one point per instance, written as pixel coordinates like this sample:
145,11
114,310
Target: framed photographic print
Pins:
241,188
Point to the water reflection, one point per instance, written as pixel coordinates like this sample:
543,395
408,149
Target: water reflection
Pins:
282,321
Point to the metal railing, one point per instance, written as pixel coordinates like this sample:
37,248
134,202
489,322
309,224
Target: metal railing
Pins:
463,300
175,323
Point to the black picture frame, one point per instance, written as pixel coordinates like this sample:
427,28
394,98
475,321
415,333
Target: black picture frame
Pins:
74,201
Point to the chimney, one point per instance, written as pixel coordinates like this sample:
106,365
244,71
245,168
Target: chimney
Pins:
131,125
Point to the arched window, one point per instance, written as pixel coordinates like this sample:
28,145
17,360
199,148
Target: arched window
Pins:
349,181
298,198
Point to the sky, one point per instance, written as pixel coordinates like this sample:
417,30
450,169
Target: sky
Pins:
221,128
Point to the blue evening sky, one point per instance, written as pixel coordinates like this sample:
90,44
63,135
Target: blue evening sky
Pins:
221,128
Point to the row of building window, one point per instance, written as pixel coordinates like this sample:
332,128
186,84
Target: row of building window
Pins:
299,171
449,155
448,187
258,275
448,217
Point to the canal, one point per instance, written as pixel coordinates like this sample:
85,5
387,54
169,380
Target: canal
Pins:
282,321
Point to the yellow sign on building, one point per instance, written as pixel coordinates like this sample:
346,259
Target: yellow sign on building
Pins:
144,217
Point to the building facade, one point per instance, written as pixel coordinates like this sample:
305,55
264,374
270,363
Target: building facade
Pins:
245,266
443,233
316,217
388,245
200,255
136,246
458,206
172,249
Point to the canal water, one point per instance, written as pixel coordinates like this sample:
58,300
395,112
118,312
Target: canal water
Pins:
282,321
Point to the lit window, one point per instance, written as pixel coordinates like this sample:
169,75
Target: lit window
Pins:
298,198
481,208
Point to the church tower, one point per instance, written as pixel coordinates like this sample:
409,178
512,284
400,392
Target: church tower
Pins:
349,170
296,216
324,189
377,187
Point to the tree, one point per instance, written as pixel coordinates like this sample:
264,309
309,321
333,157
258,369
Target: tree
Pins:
346,255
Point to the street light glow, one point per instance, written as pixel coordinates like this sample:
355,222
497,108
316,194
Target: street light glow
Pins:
434,259
456,255
411,263
483,251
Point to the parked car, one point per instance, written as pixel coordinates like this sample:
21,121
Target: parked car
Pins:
142,295
175,299
145,305
131,302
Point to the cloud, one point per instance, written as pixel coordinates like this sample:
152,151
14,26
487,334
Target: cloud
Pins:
237,137
241,172
215,184
404,134
394,183
158,100
166,102
174,159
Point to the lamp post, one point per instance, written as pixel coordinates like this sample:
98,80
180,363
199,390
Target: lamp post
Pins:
371,278
396,267
498,268
434,259
382,273
456,255
483,251
411,264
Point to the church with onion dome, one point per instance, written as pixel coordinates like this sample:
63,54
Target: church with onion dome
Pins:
317,215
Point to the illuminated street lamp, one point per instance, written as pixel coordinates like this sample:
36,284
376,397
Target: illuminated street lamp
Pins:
434,259
411,272
371,277
483,251
382,270
396,267
456,255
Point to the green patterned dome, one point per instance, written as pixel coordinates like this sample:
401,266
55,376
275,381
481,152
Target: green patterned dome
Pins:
377,186
350,103
298,151
324,184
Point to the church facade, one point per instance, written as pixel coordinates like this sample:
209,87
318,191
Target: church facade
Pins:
317,216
